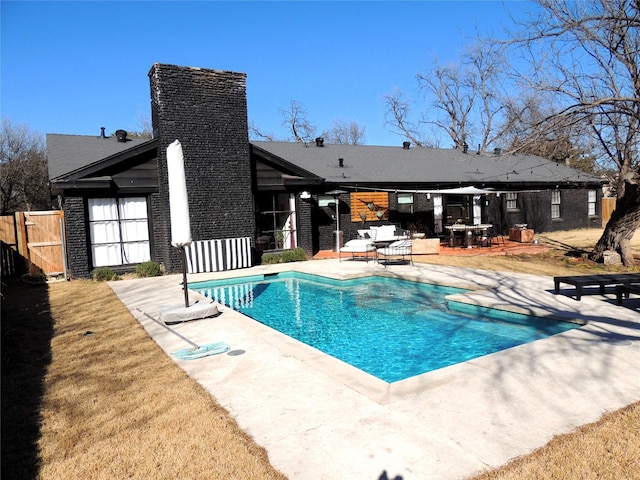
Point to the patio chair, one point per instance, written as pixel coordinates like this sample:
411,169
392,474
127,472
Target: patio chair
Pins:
437,232
400,250
364,244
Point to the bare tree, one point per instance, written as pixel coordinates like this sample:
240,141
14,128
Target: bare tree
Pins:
343,133
23,170
522,133
454,92
145,127
465,100
587,55
295,120
399,118
255,133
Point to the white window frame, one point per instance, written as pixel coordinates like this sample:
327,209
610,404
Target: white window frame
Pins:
119,231
512,200
592,199
556,201
326,200
405,202
405,198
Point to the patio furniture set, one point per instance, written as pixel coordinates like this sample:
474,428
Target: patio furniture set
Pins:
384,243
479,235
388,241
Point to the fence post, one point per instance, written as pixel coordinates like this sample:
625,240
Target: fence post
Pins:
21,239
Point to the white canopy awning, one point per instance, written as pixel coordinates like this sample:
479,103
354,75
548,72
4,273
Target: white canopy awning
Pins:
470,190
461,191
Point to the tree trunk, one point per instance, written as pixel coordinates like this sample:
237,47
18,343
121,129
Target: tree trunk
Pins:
621,227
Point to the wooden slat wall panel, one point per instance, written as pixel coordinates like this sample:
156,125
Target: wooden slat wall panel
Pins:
360,202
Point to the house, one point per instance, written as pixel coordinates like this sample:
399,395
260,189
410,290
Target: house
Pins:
247,197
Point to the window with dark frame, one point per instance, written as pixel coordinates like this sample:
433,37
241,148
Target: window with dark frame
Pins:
275,229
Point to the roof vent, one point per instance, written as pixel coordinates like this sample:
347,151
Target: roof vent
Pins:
319,142
341,162
497,151
121,135
406,145
102,129
465,147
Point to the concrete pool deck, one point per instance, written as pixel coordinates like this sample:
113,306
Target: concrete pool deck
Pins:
320,419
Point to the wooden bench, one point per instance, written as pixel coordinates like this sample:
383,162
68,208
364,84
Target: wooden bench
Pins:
601,281
626,290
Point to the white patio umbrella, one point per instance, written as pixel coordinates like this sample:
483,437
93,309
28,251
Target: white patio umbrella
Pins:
181,238
179,207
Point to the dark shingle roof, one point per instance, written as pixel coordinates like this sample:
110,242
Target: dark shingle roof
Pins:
68,153
362,164
365,164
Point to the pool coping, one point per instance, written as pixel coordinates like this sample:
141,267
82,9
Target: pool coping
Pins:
376,389
446,424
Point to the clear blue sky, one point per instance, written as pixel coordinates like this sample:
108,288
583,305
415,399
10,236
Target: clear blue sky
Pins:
73,67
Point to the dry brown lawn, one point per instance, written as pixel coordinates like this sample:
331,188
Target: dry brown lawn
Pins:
87,394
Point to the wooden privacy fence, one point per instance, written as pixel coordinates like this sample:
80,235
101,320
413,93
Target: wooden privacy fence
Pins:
33,241
608,206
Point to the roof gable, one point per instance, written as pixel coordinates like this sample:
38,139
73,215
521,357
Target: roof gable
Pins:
82,155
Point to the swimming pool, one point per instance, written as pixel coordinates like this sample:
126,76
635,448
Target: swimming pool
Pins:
390,328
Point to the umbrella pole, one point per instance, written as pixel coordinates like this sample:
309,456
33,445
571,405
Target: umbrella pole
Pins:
184,277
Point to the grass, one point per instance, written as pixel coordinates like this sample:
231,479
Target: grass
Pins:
87,394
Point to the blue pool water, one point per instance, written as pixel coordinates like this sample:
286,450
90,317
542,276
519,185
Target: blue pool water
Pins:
393,329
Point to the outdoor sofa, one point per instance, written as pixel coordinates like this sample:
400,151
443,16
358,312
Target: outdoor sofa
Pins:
383,235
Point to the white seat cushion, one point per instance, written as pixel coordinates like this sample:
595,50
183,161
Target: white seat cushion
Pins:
358,245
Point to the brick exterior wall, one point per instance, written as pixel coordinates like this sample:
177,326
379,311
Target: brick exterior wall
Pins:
534,209
206,110
305,226
76,230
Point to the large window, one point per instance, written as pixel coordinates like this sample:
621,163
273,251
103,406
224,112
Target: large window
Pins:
592,202
555,204
276,221
119,231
